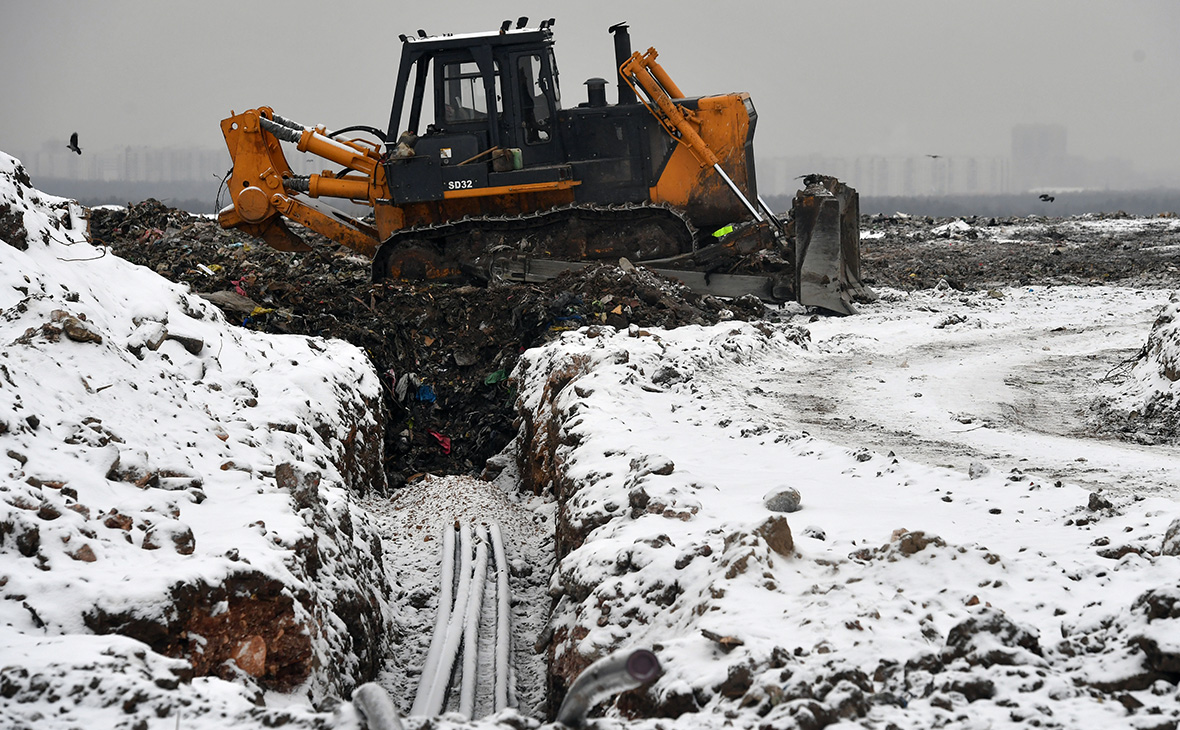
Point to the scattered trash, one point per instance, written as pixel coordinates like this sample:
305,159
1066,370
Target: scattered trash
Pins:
425,394
443,441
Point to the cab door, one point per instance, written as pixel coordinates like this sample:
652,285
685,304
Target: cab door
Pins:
538,100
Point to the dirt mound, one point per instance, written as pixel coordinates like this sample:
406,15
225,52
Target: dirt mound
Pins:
972,253
444,352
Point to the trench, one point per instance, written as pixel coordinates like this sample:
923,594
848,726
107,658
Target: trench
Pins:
439,539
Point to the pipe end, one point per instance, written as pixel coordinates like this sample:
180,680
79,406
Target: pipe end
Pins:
643,666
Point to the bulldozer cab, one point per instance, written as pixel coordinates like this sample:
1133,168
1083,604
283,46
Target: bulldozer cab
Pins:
466,96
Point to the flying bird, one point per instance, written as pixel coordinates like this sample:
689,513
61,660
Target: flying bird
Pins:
934,157
1047,198
73,145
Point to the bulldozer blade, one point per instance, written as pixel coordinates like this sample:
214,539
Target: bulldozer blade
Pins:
827,246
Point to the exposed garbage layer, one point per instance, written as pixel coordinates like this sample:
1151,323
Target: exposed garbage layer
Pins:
444,353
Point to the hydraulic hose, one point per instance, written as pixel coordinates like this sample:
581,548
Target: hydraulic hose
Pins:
285,133
288,123
608,676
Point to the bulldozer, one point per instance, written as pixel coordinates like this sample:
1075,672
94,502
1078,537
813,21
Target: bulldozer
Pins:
483,175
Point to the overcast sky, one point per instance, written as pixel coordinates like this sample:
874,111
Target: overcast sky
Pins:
840,77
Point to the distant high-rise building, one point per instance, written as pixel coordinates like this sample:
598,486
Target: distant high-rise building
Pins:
1039,156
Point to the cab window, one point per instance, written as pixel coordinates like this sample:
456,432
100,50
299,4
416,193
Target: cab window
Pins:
464,95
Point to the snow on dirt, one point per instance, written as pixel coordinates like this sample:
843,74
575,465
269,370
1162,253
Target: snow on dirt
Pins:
957,508
979,594
1005,380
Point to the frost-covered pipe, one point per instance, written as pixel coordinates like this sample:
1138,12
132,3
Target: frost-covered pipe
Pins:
608,676
503,618
454,634
375,705
471,627
441,620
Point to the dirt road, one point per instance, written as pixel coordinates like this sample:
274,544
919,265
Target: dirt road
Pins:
952,378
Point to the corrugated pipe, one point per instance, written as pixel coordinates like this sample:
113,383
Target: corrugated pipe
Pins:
503,628
376,707
442,618
608,676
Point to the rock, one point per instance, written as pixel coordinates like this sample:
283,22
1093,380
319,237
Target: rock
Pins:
973,688
815,533
79,331
1161,607
117,521
991,638
737,682
977,470
1098,502
85,554
170,533
777,534
786,499
250,655
193,345
1171,543
303,485
231,618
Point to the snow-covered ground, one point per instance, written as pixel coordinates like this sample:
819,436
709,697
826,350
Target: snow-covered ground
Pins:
159,481
966,551
926,512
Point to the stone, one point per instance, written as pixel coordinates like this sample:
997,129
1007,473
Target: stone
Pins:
1171,543
990,638
193,345
303,485
977,470
787,499
79,331
777,534
250,655
84,554
171,533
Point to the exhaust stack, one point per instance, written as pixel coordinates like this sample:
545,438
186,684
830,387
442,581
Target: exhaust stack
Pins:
622,54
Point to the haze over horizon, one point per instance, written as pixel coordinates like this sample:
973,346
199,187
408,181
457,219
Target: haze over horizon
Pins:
898,78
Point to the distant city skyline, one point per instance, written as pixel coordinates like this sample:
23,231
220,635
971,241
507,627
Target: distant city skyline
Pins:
883,80
1038,159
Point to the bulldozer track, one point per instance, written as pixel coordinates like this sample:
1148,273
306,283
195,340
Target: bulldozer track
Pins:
464,248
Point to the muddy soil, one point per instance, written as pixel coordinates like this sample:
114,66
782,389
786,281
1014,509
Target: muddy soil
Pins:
445,352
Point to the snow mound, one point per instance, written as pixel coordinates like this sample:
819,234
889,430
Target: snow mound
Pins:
895,594
1147,400
175,496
